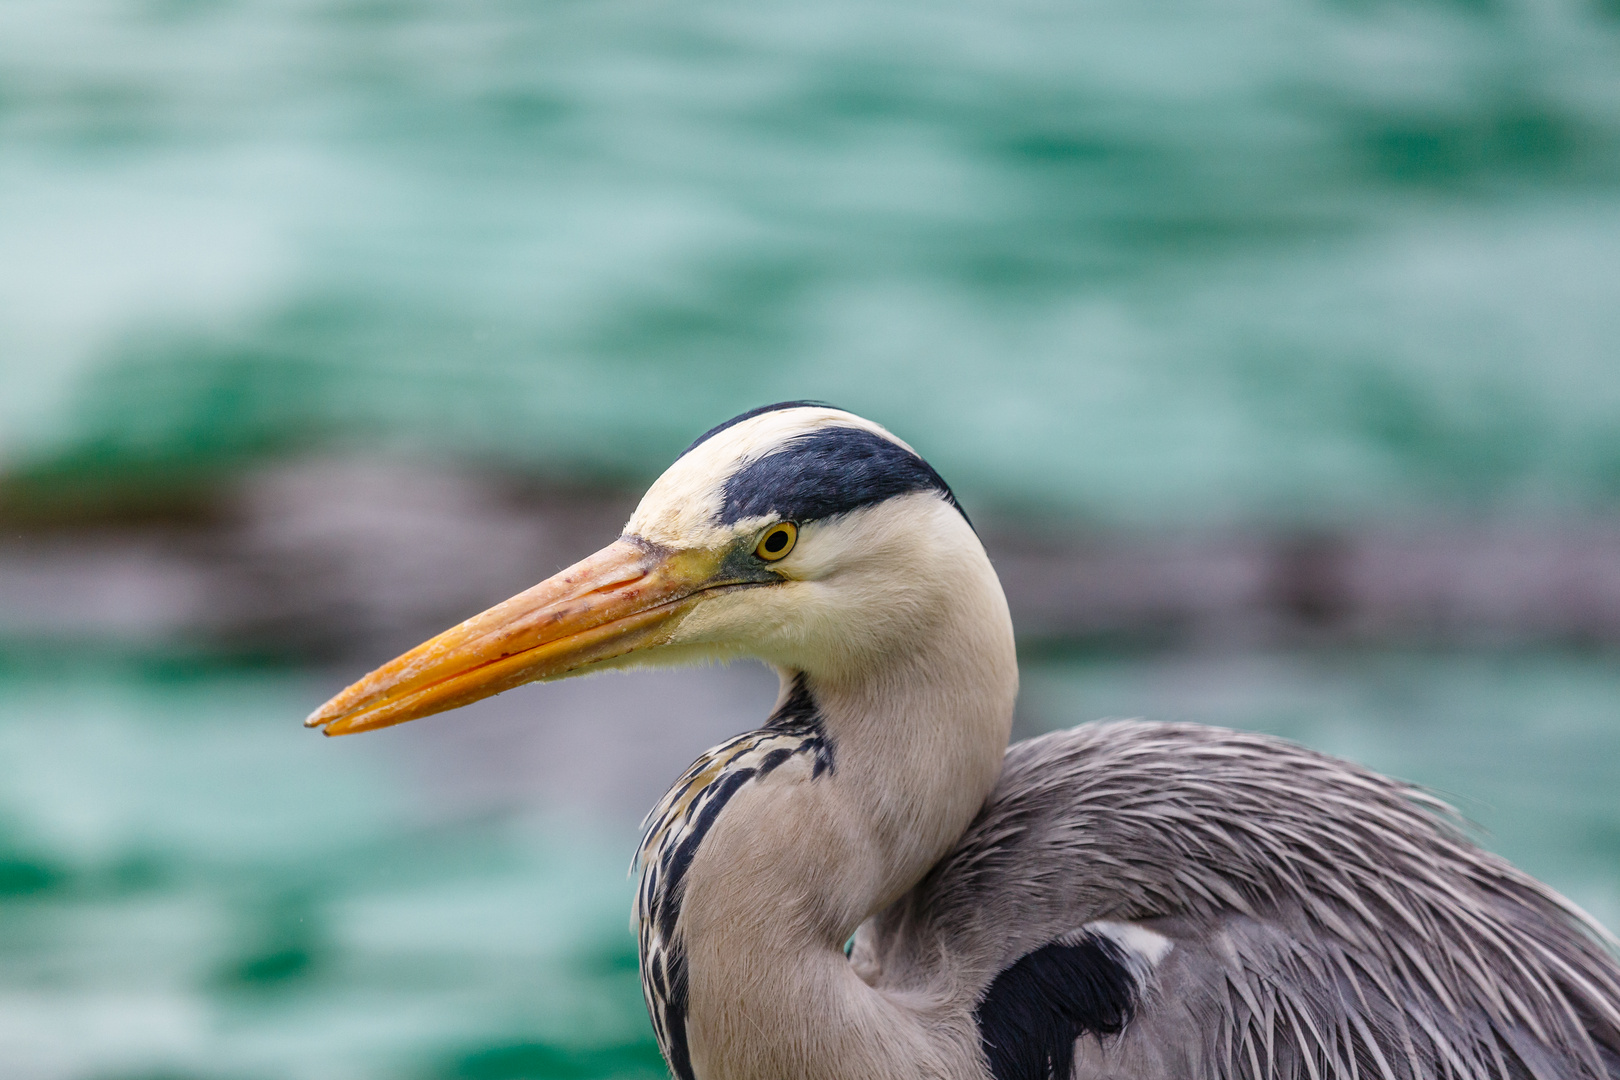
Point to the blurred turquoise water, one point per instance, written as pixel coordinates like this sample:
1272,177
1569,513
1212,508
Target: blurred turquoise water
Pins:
193,886
1148,262
1193,260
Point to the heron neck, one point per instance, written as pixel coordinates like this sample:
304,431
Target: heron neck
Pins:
794,864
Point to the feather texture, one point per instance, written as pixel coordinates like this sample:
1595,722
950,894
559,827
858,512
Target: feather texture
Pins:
1328,922
672,834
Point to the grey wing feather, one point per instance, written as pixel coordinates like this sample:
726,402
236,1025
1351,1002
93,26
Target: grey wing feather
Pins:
1328,923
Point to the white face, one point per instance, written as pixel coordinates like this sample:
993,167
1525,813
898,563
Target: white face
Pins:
877,540
856,581
854,588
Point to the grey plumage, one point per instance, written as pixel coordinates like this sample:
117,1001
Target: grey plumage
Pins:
1119,902
1327,922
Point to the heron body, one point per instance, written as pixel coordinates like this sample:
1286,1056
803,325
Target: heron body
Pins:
1130,901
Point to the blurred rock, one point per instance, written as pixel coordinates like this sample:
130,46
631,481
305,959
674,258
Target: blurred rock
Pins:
321,557
335,555
363,557
134,587
1441,582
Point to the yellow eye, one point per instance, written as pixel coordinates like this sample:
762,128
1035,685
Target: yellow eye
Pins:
777,541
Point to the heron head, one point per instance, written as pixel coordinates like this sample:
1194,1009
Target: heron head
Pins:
799,534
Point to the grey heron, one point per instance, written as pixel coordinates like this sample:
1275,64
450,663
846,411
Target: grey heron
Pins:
873,885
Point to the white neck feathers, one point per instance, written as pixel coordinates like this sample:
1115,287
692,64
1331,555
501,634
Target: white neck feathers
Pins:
872,767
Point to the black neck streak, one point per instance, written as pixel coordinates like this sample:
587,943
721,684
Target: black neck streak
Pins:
799,716
676,829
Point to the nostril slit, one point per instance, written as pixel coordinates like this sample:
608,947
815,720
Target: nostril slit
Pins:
614,586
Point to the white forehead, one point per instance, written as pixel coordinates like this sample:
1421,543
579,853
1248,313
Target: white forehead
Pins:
681,507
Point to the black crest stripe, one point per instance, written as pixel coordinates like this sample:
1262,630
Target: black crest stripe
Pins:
827,472
1036,1009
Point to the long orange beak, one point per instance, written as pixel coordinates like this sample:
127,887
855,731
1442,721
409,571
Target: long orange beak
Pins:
627,596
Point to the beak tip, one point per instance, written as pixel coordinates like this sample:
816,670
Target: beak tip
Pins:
608,604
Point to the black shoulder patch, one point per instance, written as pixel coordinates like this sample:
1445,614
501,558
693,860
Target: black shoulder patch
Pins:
749,415
827,472
1036,1009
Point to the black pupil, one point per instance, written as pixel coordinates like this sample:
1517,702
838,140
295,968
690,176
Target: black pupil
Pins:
776,541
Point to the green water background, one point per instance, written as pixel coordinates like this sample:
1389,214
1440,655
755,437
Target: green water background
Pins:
1228,258
1144,264
192,886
